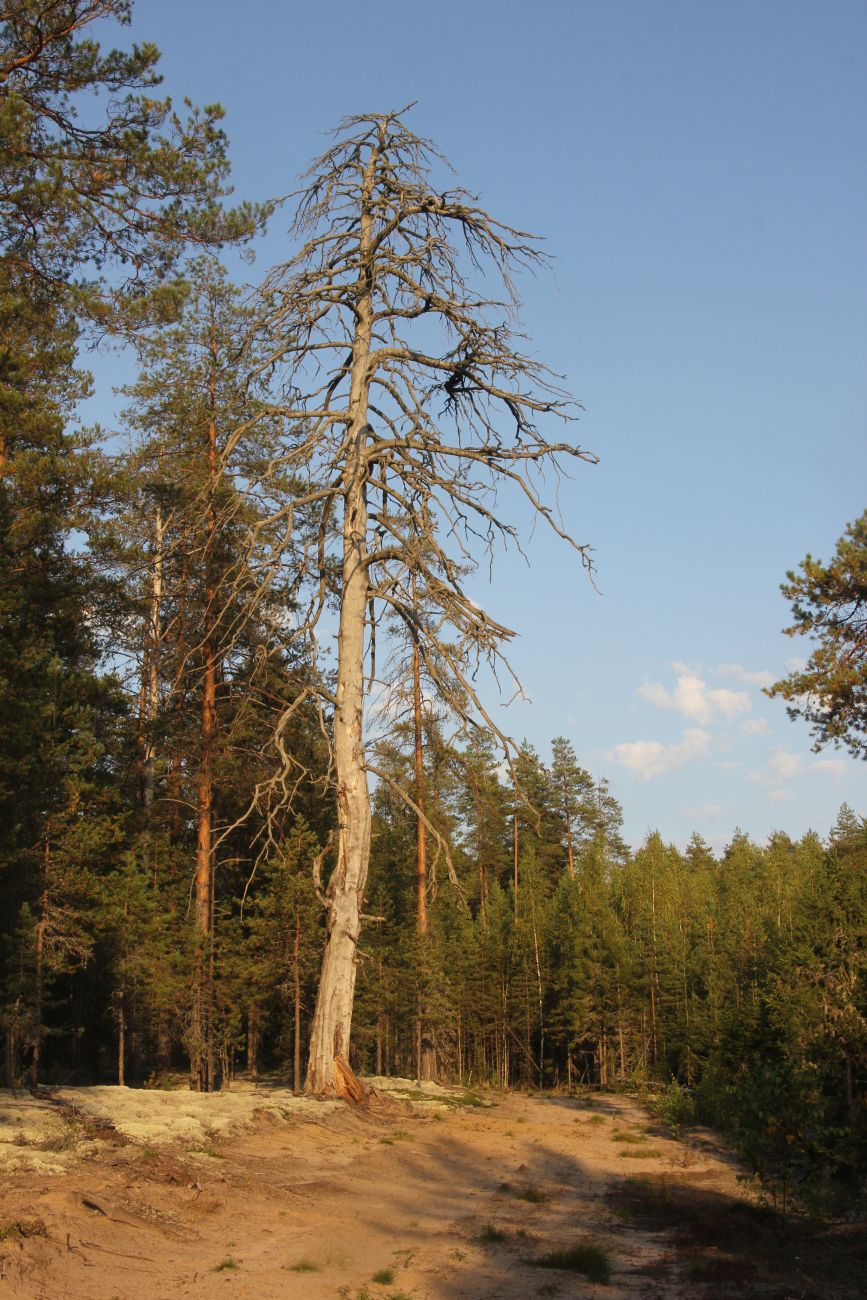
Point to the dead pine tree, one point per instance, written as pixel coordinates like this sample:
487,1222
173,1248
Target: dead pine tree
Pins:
396,327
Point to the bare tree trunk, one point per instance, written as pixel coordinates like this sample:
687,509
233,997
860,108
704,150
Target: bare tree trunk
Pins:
13,1020
426,1058
174,789
541,1003
420,792
332,1020
201,1066
141,738
38,1031
653,1018
296,992
121,1038
253,1042
152,665
515,851
41,926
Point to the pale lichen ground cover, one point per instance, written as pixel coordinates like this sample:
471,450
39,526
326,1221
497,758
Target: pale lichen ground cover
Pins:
49,1129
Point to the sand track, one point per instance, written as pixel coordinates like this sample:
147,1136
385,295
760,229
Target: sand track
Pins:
260,1199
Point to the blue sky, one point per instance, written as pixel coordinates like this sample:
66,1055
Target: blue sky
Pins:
698,171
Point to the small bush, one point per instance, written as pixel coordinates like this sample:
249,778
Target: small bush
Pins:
676,1107
226,1265
533,1195
384,1277
303,1266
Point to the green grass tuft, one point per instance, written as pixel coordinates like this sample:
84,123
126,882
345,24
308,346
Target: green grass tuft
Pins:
490,1233
589,1260
533,1194
639,1153
303,1266
226,1265
384,1277
630,1138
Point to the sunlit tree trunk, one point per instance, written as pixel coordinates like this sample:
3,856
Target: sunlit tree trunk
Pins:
332,1020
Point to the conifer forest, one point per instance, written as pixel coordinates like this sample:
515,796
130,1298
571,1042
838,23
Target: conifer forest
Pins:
260,810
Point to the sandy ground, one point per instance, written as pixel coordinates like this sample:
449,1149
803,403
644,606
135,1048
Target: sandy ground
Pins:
115,1194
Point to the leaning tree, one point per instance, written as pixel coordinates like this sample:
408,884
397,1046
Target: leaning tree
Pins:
419,404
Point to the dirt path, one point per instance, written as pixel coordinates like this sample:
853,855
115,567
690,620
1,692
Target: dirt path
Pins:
413,1201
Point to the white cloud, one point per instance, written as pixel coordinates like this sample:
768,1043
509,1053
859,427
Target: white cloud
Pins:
784,766
693,698
835,765
753,727
704,810
740,674
779,796
796,664
650,758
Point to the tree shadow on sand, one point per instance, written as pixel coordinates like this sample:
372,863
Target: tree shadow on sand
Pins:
657,1235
